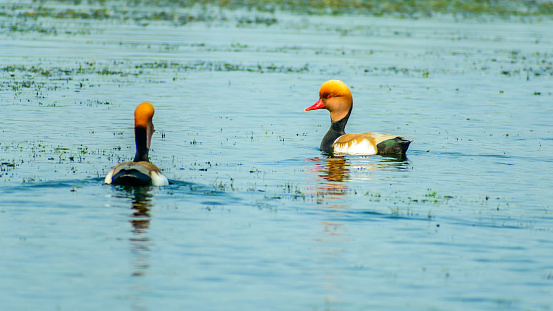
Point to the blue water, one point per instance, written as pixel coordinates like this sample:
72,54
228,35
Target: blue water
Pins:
256,217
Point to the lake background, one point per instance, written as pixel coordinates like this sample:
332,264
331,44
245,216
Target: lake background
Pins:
256,217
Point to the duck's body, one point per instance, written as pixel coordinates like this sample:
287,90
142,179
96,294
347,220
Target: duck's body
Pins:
136,174
370,143
335,96
139,172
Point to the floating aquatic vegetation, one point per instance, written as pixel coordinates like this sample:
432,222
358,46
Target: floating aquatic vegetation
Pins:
103,9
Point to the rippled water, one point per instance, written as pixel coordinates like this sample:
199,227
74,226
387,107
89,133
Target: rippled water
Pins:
256,217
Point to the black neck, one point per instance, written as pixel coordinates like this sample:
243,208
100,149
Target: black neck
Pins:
337,129
140,137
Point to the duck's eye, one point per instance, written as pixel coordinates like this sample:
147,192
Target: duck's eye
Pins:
328,96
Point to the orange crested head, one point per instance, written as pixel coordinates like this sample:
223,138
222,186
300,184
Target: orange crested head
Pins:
334,88
335,96
143,114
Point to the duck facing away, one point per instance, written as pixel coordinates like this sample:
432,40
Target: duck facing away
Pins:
335,96
139,172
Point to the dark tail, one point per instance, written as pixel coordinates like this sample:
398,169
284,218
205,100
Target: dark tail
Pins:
396,145
131,178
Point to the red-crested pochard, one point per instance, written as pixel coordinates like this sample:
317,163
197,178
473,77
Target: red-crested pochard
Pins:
335,96
140,172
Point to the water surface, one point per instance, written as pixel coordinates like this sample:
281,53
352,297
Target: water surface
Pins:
256,217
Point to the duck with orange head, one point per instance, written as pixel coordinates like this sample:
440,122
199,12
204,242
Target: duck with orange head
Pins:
335,96
139,172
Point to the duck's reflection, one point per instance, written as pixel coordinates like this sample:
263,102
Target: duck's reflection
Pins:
338,177
141,204
139,240
334,169
140,220
374,167
335,172
140,243
339,171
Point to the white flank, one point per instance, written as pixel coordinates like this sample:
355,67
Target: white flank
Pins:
158,179
364,147
109,177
